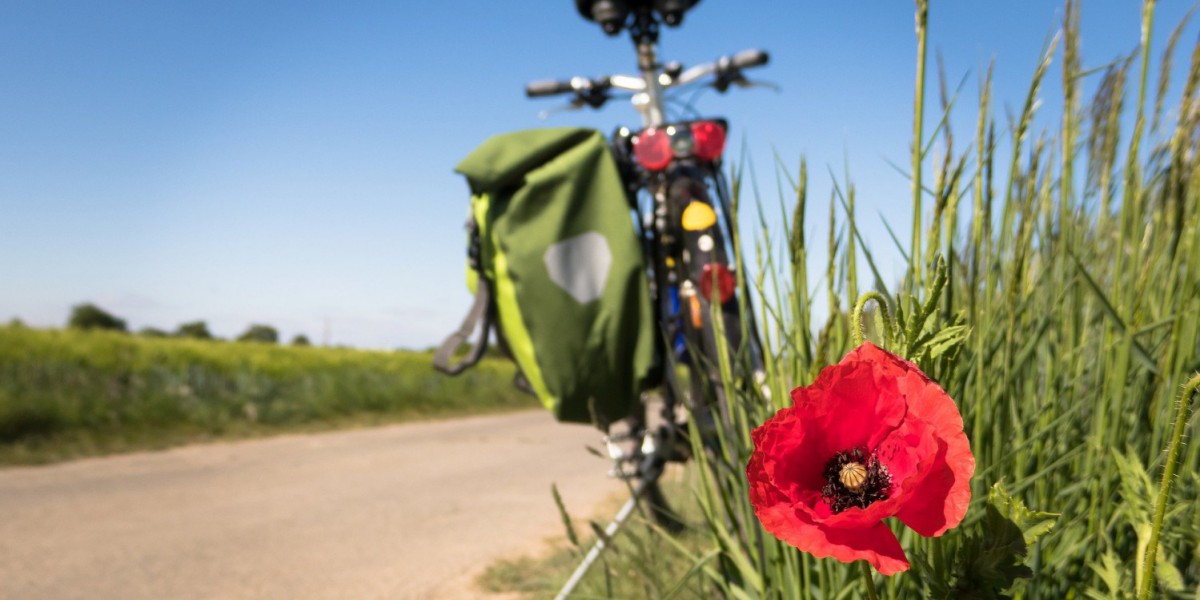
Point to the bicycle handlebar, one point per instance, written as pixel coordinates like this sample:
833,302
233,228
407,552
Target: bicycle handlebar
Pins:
749,58
723,67
547,87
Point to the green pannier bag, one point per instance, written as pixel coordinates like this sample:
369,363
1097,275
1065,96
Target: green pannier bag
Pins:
557,272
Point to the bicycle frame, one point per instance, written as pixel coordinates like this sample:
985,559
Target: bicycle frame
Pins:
673,252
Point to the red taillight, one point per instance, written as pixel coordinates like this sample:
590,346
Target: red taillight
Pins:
724,280
652,148
709,140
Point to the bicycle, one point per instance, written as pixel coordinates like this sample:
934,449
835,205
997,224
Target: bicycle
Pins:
671,170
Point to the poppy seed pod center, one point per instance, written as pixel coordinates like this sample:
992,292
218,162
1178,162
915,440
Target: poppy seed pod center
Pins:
853,476
854,479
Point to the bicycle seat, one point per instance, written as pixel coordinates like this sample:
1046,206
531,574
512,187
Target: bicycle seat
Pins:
611,14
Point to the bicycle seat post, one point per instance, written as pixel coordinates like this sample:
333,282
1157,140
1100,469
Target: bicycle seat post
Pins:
644,32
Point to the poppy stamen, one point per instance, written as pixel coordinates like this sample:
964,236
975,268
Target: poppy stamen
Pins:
855,478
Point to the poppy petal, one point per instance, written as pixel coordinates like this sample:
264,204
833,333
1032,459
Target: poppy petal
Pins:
875,544
855,402
763,491
787,448
939,502
907,453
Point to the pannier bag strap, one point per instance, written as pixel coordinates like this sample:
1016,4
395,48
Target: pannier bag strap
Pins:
480,310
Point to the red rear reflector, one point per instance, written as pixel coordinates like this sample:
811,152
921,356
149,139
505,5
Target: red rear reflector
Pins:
709,140
652,148
724,280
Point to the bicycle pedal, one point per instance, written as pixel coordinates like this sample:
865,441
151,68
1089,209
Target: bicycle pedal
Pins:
615,452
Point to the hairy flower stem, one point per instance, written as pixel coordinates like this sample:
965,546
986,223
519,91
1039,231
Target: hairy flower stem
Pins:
868,580
856,324
1164,490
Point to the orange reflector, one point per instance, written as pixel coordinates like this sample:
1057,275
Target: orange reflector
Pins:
698,216
694,303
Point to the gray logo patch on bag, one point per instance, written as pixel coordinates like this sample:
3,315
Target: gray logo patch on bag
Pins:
579,265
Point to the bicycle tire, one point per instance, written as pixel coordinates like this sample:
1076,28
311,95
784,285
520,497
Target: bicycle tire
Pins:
679,255
702,248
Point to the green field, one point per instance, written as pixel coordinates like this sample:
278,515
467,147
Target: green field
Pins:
66,393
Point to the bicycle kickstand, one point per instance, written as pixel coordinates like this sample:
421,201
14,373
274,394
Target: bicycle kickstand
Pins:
602,543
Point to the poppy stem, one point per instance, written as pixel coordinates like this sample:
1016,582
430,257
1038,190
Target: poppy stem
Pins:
868,580
856,318
1164,491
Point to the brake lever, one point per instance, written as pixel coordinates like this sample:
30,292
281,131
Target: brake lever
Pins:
744,83
737,78
574,104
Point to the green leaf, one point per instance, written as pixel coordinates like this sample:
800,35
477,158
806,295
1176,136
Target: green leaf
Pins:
946,339
992,560
933,581
566,518
1143,541
1033,524
992,557
1168,576
602,536
1136,488
1109,571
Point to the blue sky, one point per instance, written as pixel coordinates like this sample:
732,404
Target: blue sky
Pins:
291,163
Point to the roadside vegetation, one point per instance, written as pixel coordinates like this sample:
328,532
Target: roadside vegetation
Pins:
642,562
1053,290
71,393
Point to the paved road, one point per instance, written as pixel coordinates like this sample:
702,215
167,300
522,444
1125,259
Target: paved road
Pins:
407,511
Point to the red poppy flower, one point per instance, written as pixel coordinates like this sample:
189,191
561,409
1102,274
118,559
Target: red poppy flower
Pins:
871,438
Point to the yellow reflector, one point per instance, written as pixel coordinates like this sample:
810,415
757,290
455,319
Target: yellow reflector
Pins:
698,216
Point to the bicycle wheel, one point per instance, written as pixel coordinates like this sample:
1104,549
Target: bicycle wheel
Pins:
689,260
698,204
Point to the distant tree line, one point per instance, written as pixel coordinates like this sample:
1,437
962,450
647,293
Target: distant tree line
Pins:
90,316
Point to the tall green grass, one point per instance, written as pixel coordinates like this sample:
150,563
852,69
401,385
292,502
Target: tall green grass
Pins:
66,393
1054,291
1079,299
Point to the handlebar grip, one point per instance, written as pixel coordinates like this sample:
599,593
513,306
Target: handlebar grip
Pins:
547,88
749,58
